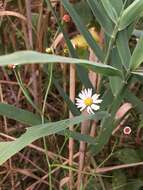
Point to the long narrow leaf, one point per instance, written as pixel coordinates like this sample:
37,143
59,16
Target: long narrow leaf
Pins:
137,57
20,115
110,10
118,5
101,16
131,13
83,30
8,149
123,48
135,101
26,117
28,57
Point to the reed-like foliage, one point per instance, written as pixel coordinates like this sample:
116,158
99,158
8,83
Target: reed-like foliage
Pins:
118,65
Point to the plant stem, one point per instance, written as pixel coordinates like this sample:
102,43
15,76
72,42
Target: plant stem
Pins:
25,92
71,141
42,117
113,36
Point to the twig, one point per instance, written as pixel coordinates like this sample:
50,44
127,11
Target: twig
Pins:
30,36
71,141
12,13
82,148
111,168
95,80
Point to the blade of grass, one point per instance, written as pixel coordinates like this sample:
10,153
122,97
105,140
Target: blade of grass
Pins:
29,57
90,40
8,149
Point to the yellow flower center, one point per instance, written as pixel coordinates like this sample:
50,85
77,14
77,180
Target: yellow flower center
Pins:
88,101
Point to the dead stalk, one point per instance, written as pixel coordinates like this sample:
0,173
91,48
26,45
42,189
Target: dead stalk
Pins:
82,148
23,24
54,170
85,130
111,168
95,80
71,141
30,37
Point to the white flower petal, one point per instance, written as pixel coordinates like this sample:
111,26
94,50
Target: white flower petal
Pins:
80,104
89,110
89,92
83,92
82,96
79,101
97,101
83,107
95,107
95,96
86,93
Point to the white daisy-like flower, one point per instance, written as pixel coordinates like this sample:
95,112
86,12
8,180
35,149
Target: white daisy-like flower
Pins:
88,101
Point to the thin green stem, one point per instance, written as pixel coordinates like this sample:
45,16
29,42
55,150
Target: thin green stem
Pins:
42,118
26,94
109,156
92,173
47,91
24,90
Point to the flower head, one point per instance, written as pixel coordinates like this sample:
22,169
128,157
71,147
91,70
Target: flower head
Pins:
127,130
49,50
66,18
12,66
88,101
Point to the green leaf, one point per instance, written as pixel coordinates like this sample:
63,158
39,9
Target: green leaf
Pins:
8,149
83,76
110,10
135,185
130,14
123,48
127,156
108,124
141,121
107,99
135,101
78,136
138,33
70,104
81,71
116,82
119,180
117,4
82,8
29,57
140,152
138,73
83,30
101,16
137,56
92,183
18,114
29,118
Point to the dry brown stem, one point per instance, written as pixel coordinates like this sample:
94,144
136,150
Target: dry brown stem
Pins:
71,141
